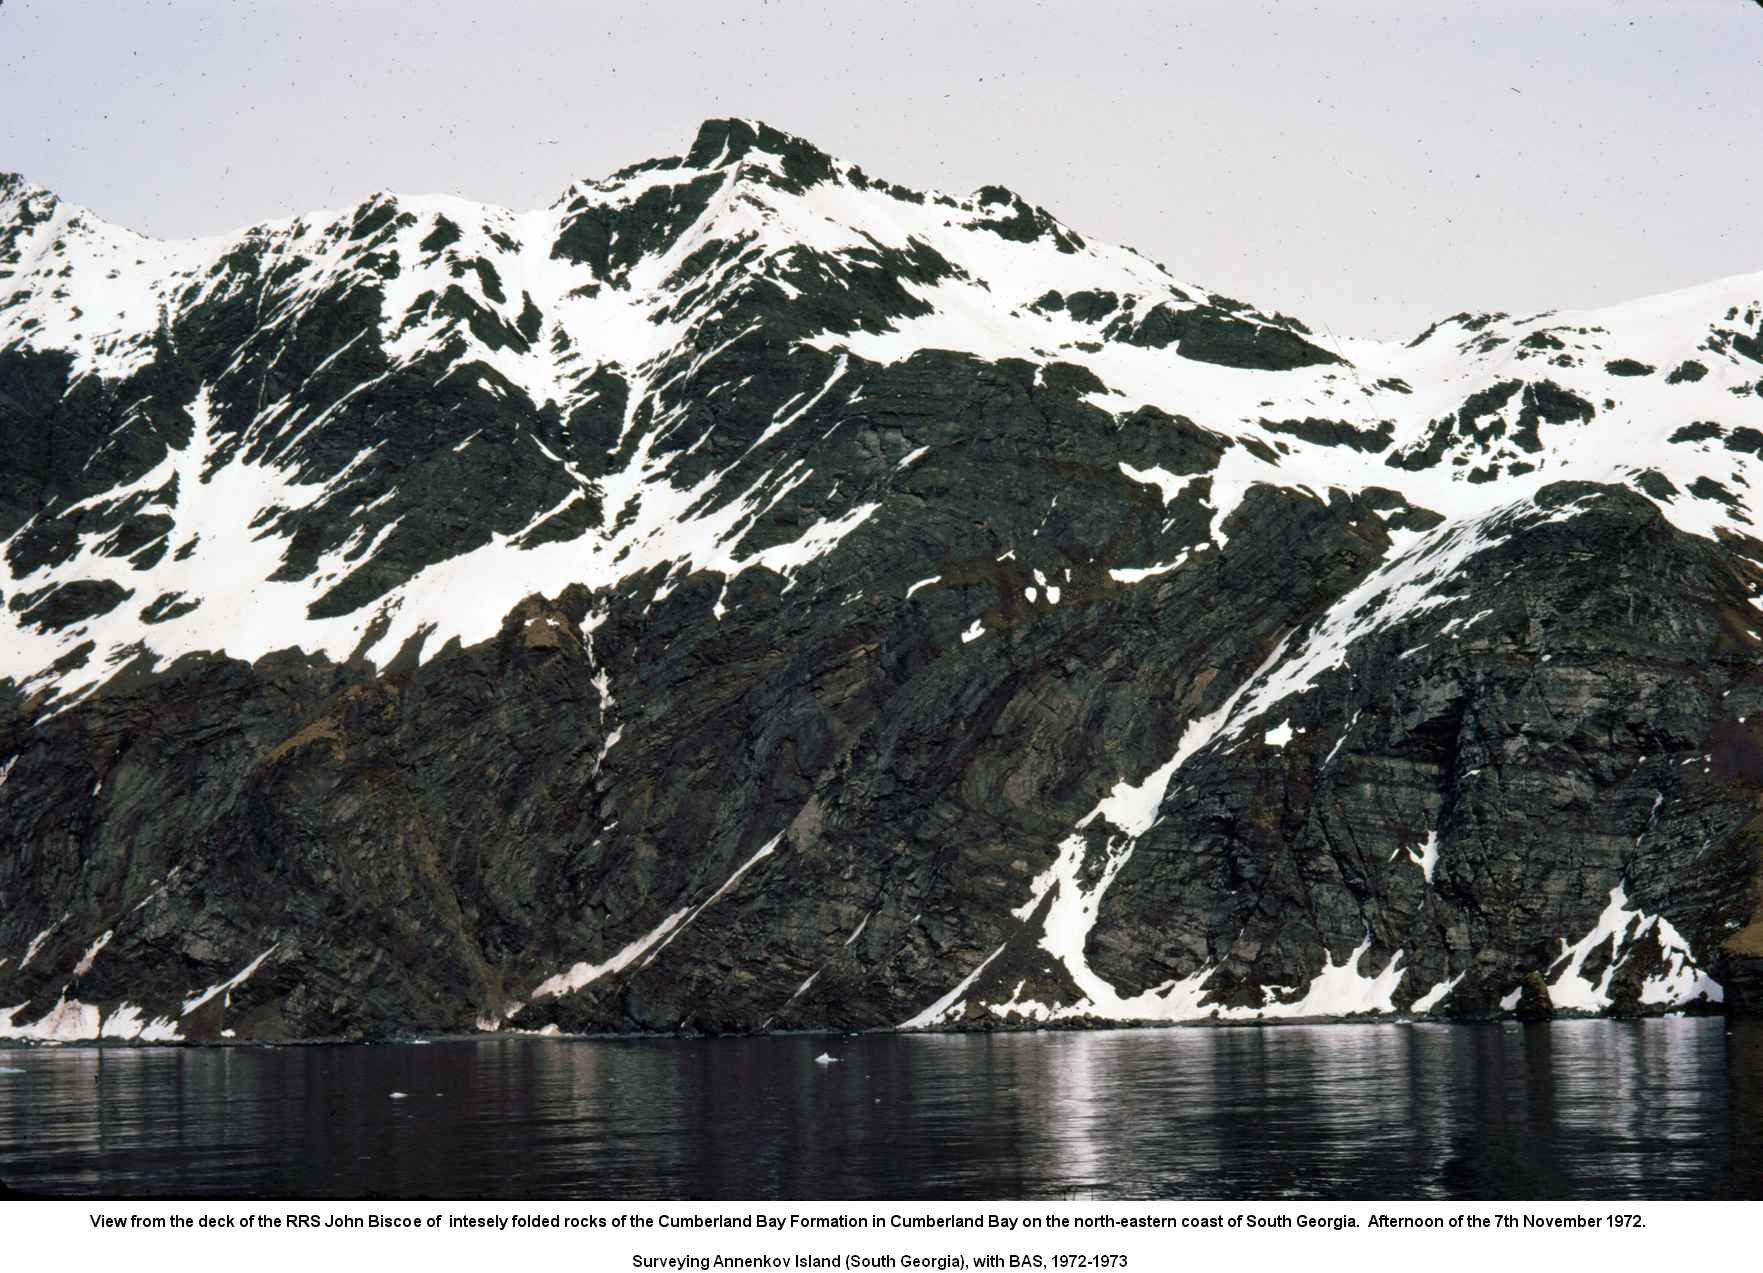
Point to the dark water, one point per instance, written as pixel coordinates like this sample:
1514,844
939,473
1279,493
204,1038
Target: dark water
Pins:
1610,1110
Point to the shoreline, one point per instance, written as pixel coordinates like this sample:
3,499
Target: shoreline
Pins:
1077,1026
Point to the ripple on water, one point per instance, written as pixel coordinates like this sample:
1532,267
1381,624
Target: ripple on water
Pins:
1579,1109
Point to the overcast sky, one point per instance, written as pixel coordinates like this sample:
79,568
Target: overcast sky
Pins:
1368,165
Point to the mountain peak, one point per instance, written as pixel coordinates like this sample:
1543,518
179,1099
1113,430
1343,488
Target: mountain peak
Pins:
722,142
15,189
23,206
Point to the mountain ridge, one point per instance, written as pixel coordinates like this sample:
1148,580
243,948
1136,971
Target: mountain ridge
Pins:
911,562
751,135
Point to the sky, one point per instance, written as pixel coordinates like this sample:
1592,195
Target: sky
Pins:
1366,165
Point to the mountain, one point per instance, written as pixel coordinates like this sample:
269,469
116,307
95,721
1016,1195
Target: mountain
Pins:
748,594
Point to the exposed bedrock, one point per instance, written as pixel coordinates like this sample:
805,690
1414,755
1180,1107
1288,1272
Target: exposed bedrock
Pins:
751,595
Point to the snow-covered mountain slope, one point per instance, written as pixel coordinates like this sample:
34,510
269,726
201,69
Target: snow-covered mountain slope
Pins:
882,465
548,312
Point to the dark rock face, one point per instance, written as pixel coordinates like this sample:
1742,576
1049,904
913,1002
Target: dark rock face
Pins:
1534,1003
678,610
1214,335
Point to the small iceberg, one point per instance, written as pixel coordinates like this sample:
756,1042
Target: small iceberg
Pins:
826,1058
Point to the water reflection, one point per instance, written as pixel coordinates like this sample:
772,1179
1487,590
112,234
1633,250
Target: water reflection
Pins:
1670,1109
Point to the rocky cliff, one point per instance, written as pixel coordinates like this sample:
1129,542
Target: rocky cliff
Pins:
751,595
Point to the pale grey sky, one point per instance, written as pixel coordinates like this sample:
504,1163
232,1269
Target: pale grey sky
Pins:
1368,165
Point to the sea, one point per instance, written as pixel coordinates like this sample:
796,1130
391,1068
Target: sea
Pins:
1592,1109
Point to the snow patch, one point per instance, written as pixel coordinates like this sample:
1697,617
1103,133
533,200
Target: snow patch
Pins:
1622,929
1425,855
232,983
585,974
1168,484
650,944
1434,997
69,1021
36,944
1138,574
935,1014
85,964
